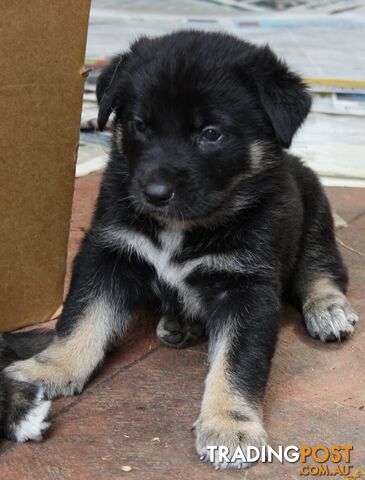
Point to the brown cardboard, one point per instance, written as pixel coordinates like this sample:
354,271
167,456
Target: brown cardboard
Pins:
41,62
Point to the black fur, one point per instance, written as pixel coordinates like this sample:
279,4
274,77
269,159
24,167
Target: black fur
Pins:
22,345
240,195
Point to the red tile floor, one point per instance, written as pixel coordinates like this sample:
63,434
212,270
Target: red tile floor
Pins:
139,409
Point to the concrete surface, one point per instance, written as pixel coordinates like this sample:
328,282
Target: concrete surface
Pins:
139,409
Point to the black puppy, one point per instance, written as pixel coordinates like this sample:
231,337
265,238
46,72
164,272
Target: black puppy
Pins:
202,208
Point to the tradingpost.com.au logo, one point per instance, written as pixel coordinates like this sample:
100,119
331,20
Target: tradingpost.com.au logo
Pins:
318,460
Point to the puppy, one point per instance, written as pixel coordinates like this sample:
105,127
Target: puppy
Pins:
202,208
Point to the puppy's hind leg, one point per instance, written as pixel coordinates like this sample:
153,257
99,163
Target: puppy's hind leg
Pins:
320,280
97,310
328,315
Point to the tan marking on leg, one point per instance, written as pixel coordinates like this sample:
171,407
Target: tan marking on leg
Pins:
220,399
328,314
66,365
227,417
321,288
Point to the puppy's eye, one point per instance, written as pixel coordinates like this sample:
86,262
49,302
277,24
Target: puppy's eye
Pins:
211,134
140,126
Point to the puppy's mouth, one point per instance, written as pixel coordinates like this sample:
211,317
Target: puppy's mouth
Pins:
159,211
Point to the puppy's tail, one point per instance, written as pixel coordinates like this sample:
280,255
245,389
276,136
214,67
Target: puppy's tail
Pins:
23,407
23,345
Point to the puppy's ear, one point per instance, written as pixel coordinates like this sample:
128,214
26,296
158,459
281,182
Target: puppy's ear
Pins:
108,87
282,93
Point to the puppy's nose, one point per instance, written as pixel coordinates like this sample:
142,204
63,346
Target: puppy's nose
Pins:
158,193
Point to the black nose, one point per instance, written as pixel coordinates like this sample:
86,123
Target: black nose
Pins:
158,194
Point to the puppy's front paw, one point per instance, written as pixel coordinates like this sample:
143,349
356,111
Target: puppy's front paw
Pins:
330,318
231,430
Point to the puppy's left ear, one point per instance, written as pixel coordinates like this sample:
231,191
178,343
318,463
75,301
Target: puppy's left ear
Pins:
283,95
109,86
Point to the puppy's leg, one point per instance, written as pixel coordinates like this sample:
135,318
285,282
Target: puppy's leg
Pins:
64,367
328,315
320,279
240,350
178,332
97,310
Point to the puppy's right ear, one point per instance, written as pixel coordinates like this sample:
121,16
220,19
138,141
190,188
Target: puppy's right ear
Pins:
108,87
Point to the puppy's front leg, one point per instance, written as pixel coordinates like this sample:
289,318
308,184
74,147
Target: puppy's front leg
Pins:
240,349
103,293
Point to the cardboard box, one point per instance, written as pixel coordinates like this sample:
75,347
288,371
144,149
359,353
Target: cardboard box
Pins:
41,85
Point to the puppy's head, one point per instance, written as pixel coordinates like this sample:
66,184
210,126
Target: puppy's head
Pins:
196,115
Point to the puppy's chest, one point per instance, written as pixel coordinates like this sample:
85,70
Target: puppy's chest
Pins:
191,277
163,256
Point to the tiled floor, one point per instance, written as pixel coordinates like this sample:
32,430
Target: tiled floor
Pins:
139,409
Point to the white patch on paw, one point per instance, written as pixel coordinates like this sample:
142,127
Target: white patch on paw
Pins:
330,318
34,424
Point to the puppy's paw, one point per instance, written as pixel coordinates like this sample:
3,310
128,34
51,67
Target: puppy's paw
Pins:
330,318
26,411
55,381
232,431
33,425
177,334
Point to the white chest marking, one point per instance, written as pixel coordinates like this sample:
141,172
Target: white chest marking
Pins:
175,274
171,273
160,258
